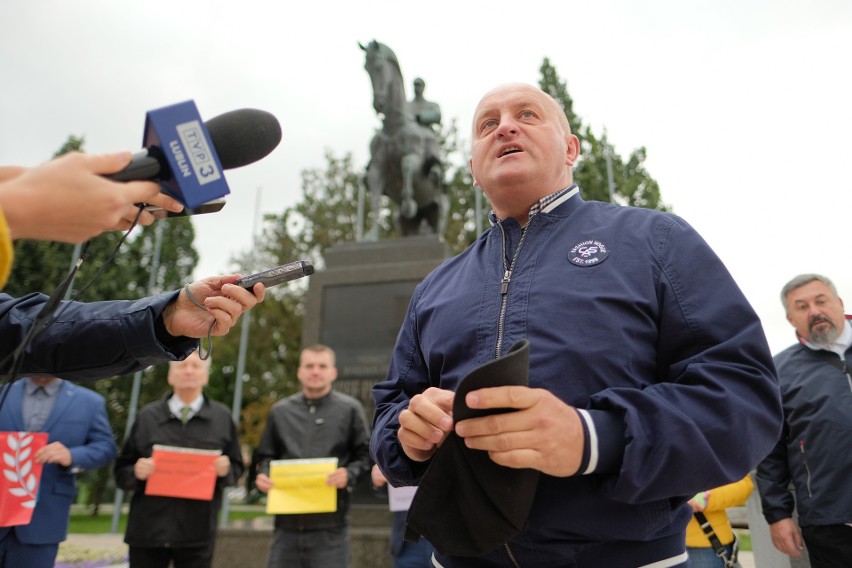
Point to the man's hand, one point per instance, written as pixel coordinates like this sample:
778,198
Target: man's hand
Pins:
699,502
377,478
338,478
426,423
55,452
786,537
222,464
263,483
67,199
224,300
160,200
10,172
544,433
143,468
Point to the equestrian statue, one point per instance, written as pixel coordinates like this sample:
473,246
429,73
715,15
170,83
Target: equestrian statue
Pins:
405,153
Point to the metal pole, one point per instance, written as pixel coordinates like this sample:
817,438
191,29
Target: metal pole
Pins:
609,177
359,219
241,364
137,377
75,254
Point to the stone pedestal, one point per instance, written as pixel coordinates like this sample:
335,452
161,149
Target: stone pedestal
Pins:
357,302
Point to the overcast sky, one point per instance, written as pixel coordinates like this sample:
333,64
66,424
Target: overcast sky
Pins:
744,106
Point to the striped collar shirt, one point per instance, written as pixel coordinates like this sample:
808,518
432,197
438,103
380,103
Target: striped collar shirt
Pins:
549,202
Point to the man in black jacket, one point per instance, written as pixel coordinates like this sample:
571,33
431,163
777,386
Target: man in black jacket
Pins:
162,529
317,422
816,390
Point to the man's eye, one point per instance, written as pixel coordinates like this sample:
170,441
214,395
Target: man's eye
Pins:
528,114
491,123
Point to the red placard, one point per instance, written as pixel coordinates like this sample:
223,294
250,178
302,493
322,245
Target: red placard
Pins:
186,473
21,476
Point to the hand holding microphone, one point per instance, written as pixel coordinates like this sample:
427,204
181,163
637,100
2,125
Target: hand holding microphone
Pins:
76,196
186,158
67,199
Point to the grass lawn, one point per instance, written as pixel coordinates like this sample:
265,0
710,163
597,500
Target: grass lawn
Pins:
82,522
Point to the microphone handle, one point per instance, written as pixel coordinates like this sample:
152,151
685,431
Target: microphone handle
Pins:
144,165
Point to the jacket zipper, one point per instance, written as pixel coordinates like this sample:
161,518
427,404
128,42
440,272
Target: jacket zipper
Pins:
504,283
807,469
845,369
312,409
511,556
501,323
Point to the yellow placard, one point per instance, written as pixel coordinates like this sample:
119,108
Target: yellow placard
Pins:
299,486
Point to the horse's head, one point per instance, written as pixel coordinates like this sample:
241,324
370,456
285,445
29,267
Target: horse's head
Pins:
382,66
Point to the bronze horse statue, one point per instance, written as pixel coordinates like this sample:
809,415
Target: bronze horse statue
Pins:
404,155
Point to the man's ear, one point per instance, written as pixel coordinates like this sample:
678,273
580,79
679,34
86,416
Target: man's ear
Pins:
572,152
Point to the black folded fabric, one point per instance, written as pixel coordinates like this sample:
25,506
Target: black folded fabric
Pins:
466,504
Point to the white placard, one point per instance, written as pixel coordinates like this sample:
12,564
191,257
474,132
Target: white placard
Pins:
399,498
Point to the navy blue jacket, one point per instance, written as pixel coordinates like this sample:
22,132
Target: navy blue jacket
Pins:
91,340
630,316
813,450
79,421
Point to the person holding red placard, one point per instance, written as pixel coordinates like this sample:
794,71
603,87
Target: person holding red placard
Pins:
79,439
163,529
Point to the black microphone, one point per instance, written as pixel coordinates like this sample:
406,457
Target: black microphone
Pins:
239,137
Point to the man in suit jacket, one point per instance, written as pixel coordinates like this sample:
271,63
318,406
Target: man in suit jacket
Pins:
80,439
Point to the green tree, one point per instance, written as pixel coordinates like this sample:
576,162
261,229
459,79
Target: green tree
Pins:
632,182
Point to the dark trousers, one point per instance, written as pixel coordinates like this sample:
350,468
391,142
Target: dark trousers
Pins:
829,546
17,554
160,557
318,548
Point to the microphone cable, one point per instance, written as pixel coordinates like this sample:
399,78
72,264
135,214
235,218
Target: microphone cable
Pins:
46,315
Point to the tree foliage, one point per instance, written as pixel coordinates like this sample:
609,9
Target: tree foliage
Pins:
632,183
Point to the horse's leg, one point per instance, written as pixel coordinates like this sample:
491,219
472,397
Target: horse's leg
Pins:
407,205
442,202
374,183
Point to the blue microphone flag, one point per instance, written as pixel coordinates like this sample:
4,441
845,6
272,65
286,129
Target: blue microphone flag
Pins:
196,172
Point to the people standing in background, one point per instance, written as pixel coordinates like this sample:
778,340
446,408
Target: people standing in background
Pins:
79,439
163,530
316,422
812,452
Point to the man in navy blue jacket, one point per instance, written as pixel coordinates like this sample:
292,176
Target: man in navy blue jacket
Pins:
812,452
649,373
80,439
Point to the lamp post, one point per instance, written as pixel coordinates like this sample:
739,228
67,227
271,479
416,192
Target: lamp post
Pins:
137,376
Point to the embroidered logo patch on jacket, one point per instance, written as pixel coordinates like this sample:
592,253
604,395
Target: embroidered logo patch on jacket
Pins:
588,253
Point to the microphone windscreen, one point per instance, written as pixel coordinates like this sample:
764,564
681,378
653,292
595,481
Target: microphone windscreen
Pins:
243,136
